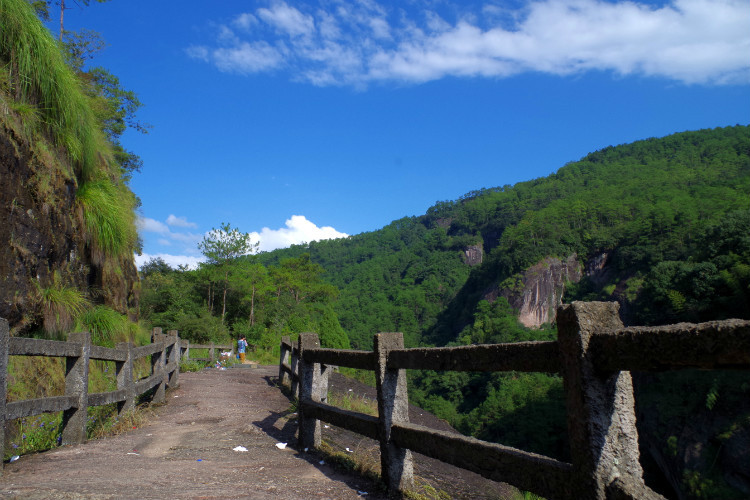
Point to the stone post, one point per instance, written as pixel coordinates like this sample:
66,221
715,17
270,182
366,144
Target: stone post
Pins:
186,354
4,347
77,385
212,353
173,358
393,406
124,371
313,386
600,405
295,373
158,366
284,359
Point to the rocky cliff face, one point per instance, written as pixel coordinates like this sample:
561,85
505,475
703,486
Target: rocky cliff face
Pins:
473,255
40,234
538,292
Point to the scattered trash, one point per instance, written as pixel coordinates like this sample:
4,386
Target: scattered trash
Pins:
322,462
14,458
325,426
281,446
240,448
177,396
350,451
361,493
305,450
133,453
351,390
261,469
199,460
149,434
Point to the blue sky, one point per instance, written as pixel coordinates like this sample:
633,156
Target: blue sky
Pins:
305,120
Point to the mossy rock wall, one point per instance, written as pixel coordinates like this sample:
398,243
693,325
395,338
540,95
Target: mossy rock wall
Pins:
41,235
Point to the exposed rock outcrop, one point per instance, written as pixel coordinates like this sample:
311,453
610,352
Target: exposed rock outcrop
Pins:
40,234
473,255
537,292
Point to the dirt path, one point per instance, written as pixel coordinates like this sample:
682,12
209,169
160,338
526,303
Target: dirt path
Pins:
186,451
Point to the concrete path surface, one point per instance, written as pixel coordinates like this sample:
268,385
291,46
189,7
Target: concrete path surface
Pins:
186,451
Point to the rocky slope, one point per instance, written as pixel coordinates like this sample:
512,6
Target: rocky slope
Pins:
41,237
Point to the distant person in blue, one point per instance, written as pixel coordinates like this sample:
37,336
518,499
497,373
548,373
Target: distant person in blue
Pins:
241,346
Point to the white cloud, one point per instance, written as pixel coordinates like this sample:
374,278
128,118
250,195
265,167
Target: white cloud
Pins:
175,221
174,261
189,240
356,43
298,230
287,19
151,225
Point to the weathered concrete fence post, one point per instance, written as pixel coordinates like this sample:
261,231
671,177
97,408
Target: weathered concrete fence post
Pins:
173,358
393,406
77,384
4,347
600,408
286,344
158,365
295,371
124,370
313,386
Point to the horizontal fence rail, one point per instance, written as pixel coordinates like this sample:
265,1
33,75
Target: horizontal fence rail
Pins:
185,347
594,354
164,353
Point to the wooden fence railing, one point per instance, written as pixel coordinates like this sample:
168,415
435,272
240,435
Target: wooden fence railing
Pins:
594,354
77,351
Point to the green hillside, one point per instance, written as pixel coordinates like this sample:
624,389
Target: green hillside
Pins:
669,219
668,212
661,226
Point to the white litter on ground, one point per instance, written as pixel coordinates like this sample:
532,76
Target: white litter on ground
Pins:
14,458
131,453
322,462
350,451
281,446
240,448
361,493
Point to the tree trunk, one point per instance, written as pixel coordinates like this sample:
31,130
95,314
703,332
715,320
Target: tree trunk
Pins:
252,307
224,298
62,14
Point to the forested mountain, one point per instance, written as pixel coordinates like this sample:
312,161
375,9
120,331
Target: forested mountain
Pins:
661,220
661,226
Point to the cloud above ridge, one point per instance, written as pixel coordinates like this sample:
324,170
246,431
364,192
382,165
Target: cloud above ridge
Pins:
340,42
297,230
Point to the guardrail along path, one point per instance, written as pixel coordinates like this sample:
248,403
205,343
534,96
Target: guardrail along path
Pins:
186,451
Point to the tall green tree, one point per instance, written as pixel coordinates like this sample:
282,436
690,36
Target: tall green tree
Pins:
222,247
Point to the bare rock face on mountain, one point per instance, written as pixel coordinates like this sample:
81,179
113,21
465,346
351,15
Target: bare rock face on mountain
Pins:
537,292
473,255
41,237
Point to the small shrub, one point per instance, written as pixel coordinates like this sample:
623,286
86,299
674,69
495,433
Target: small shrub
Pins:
106,325
61,305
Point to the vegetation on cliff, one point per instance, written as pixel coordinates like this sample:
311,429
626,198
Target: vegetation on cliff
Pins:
70,232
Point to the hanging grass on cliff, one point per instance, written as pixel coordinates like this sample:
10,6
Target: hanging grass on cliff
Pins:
59,103
40,76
